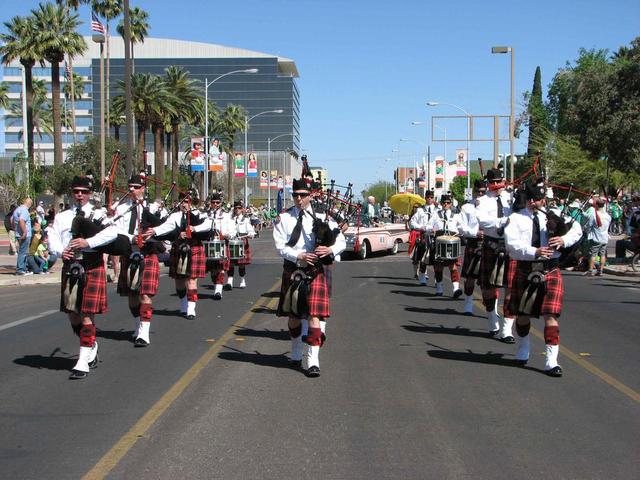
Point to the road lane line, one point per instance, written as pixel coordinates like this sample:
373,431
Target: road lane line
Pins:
27,320
111,459
588,366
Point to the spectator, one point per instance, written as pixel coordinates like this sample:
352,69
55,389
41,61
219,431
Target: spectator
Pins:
22,223
35,263
11,231
51,214
40,210
598,236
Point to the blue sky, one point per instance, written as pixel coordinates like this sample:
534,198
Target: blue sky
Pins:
367,68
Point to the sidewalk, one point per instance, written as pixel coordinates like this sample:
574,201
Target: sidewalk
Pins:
8,274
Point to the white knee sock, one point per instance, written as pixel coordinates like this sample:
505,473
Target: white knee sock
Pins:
523,347
84,356
552,356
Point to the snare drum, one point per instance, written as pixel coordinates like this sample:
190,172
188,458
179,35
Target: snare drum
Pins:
236,249
214,249
447,248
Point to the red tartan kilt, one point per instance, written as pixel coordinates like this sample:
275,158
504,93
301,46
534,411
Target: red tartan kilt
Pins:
94,296
150,276
247,255
554,292
198,262
317,298
489,257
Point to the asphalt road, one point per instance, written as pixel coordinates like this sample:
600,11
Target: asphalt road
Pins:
410,388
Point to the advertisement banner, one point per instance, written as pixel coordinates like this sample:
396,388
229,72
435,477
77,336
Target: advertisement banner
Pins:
288,183
264,179
421,176
280,182
461,162
238,164
252,166
197,154
439,172
273,182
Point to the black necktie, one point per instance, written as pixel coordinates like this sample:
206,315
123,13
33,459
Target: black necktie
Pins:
133,219
297,230
535,235
183,223
500,208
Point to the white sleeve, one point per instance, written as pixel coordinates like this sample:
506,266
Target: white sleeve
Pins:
518,246
573,236
204,226
103,237
55,237
416,220
341,243
169,225
280,239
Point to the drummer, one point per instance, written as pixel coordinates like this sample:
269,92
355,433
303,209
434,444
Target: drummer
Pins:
420,221
242,230
445,223
220,224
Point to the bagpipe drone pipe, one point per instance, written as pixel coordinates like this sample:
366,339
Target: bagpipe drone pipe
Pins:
83,227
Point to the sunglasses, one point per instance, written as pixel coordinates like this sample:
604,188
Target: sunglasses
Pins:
300,195
77,190
136,187
446,203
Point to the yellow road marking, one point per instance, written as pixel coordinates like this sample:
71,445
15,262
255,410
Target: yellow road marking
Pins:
588,366
128,440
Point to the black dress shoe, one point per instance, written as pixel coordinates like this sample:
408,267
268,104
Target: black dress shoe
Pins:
94,363
295,364
217,296
554,372
78,375
191,317
313,372
457,293
520,363
493,333
139,342
439,294
227,287
508,339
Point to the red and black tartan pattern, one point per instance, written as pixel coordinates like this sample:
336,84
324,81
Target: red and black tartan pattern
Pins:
150,276
553,291
94,294
328,273
247,255
489,257
452,265
199,262
317,297
510,274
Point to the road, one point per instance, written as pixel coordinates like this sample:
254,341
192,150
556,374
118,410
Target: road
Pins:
410,388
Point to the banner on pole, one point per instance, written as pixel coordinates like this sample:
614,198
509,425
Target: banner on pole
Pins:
273,182
252,166
197,154
439,172
238,162
461,162
264,179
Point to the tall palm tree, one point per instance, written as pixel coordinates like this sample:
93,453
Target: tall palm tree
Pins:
56,33
116,117
4,95
163,109
109,10
231,123
19,43
139,27
78,87
186,96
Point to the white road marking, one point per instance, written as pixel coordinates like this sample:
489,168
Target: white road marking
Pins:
28,319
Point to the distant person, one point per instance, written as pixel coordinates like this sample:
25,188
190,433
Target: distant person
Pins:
11,231
598,236
22,223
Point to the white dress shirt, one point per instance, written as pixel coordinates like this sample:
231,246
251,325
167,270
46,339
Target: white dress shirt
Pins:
487,213
421,219
60,232
468,225
448,222
307,242
242,227
519,231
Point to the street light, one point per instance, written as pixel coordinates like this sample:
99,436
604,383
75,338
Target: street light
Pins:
269,140
435,104
207,84
512,117
246,150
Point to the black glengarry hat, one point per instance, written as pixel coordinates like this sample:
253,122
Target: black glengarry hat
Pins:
300,184
82,181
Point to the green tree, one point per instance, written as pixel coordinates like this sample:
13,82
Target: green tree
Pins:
381,189
537,116
78,87
139,27
116,117
20,43
4,95
57,36
459,184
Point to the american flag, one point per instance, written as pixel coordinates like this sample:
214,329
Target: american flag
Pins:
96,26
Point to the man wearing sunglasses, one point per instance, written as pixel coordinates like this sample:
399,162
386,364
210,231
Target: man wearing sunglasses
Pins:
445,222
470,230
420,222
83,273
496,269
241,230
295,240
219,223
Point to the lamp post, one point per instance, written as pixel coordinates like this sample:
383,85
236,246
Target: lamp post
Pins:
435,104
99,38
397,152
207,84
269,140
246,148
427,151
512,118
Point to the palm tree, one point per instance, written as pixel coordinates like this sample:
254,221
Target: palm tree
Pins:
57,36
162,111
109,10
19,43
78,87
186,107
231,123
139,27
116,117
4,97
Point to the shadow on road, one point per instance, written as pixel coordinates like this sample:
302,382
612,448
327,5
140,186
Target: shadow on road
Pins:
442,330
50,363
276,360
488,358
439,311
272,334
380,276
402,284
271,294
270,311
168,313
118,335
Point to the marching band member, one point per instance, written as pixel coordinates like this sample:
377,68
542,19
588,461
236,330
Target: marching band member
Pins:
296,241
422,251
220,225
187,260
242,229
537,288
139,270
493,213
84,280
470,230
444,222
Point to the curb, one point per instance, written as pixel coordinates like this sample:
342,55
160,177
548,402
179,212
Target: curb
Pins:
621,273
21,281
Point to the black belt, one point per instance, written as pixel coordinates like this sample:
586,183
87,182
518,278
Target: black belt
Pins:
539,265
